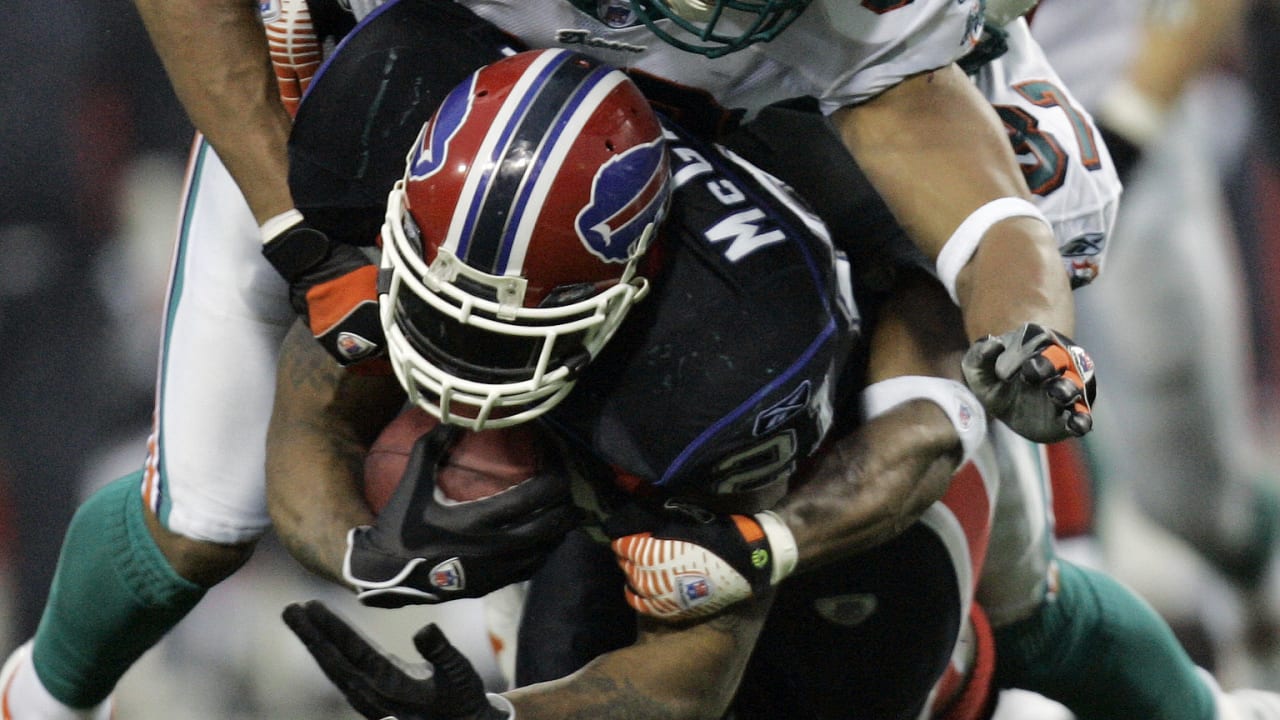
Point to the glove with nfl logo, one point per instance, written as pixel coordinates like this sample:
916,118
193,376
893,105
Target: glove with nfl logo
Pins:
692,566
425,548
332,285
380,686
1037,381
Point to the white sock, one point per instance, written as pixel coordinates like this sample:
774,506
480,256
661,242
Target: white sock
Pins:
26,697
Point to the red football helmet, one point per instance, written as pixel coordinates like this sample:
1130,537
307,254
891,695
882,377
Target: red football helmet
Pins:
511,246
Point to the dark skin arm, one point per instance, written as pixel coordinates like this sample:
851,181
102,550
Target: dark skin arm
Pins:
673,671
324,420
870,486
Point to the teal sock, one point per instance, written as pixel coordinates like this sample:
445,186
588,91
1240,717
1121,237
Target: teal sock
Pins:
1104,653
113,597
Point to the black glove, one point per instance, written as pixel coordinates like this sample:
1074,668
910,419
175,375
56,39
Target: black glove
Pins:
424,548
332,285
1037,381
378,686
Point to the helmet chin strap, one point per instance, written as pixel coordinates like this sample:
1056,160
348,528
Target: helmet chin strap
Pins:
692,10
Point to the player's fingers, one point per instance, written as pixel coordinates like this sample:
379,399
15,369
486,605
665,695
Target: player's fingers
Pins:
630,546
1065,391
350,678
1080,422
455,677
644,605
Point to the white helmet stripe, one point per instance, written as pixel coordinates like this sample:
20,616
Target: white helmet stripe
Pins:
550,169
493,146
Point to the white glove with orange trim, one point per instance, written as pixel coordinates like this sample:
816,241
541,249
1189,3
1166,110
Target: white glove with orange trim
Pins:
296,53
691,567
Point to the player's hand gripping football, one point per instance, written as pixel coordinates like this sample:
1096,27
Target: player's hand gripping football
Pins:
381,686
692,563
425,548
1037,381
333,285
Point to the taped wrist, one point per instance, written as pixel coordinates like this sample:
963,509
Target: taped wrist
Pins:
957,401
502,705
963,243
782,543
292,250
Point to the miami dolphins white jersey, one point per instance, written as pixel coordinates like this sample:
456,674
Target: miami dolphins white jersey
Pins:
1066,165
841,52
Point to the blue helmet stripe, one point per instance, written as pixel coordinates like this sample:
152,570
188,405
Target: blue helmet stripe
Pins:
489,235
476,211
552,137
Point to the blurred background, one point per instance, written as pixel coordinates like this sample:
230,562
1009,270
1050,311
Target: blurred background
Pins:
91,173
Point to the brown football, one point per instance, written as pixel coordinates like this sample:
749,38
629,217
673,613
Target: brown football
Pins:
480,464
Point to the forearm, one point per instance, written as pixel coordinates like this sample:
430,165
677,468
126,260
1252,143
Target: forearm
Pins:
936,151
315,451
687,672
216,57
872,485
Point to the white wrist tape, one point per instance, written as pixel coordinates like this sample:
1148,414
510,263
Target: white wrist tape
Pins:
280,223
781,542
963,243
956,400
499,702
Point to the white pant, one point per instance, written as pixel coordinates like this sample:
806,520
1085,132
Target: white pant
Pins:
227,311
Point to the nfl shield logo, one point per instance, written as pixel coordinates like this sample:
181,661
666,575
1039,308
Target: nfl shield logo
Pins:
448,575
695,589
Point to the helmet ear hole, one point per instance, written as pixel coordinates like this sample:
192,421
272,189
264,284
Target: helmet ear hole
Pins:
513,242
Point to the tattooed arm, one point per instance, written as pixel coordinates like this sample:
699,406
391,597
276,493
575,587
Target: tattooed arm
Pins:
325,418
671,673
683,671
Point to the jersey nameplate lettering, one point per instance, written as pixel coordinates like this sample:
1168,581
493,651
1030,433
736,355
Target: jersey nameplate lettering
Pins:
737,234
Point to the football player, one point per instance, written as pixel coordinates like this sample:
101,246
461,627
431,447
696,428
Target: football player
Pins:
532,224
617,409
194,514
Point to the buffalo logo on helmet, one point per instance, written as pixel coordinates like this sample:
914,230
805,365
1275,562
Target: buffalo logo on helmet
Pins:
616,217
448,119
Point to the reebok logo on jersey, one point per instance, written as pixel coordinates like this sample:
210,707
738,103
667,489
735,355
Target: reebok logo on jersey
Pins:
616,13
782,411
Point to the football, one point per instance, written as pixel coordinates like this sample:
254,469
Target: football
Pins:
480,463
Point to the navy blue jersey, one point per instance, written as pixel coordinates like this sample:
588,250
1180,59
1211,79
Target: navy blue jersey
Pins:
724,377
728,373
